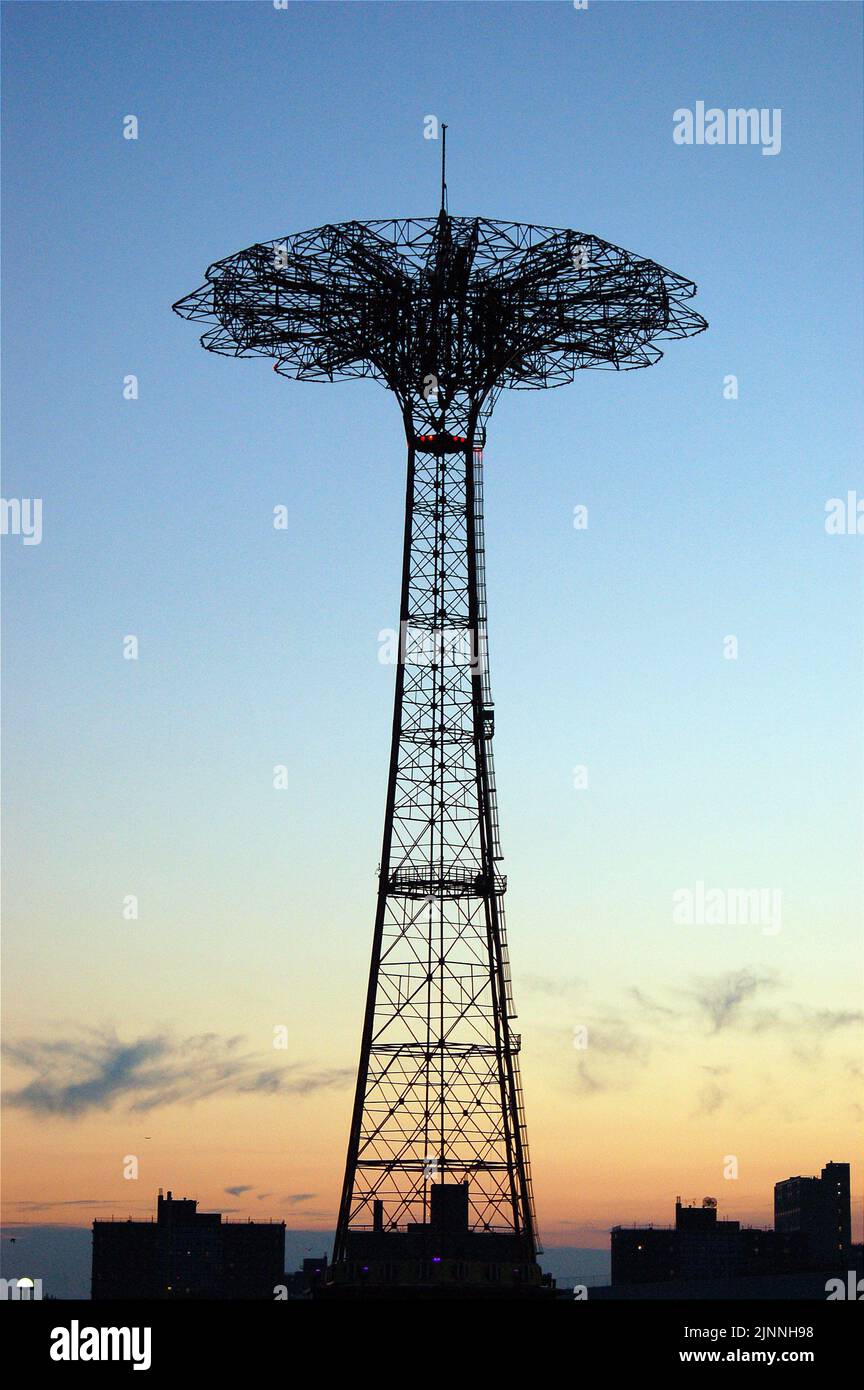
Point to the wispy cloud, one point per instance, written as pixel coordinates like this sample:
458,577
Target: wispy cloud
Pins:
615,1038
67,1202
586,1082
96,1070
710,1098
608,1048
733,1000
830,1020
556,989
719,998
651,1006
238,1190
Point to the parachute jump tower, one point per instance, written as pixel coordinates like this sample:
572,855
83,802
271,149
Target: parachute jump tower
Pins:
445,311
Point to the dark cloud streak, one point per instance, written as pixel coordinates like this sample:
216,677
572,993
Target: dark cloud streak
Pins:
96,1070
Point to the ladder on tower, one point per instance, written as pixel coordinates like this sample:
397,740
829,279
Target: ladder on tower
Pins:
482,652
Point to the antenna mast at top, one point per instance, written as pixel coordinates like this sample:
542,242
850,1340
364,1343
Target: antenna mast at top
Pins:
443,167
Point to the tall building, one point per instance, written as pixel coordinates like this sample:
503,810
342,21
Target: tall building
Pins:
813,1231
818,1208
707,1247
185,1253
697,1247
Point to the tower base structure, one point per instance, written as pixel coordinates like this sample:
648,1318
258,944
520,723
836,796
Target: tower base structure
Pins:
441,1258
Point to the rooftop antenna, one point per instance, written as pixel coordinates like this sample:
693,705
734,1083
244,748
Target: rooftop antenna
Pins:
443,167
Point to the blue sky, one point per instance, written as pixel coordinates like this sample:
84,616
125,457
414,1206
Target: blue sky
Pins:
258,647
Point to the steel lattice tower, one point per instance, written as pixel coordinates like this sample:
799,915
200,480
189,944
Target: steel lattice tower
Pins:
445,311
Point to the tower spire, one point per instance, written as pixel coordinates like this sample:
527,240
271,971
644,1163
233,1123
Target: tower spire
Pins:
443,167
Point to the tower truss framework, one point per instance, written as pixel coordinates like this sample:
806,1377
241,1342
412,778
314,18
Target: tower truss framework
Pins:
445,312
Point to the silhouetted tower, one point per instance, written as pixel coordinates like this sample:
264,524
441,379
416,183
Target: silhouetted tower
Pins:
445,311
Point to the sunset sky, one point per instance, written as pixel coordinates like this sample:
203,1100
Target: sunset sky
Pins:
258,647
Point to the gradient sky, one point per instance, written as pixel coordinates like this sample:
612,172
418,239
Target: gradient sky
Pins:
260,647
